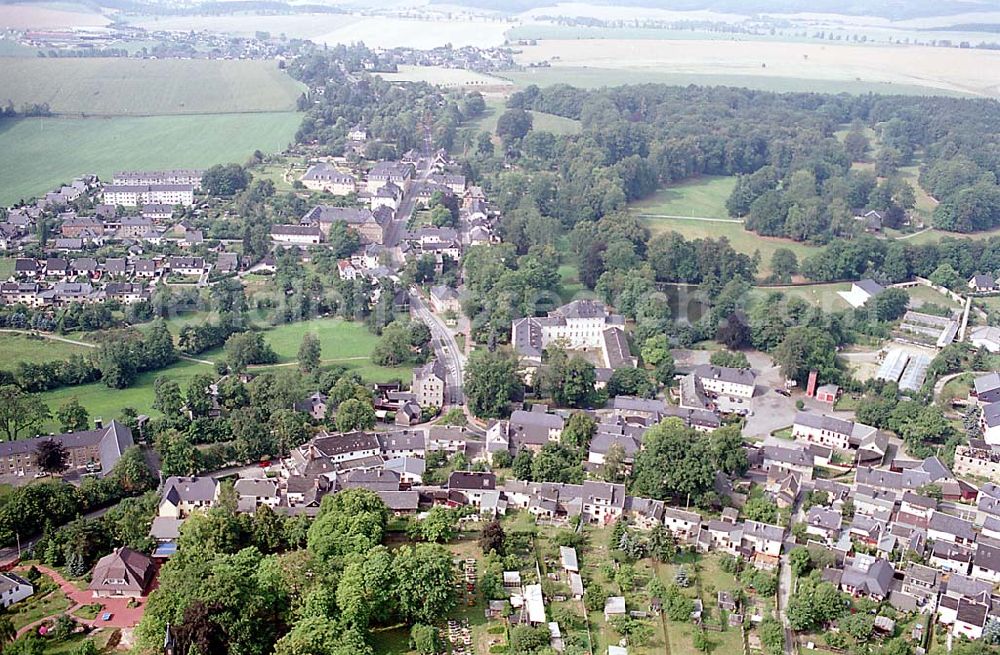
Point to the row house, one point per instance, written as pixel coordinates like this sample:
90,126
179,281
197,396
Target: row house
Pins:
296,235
186,176
838,433
135,196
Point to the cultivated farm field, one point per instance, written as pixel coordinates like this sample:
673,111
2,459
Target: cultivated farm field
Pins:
37,154
807,66
139,87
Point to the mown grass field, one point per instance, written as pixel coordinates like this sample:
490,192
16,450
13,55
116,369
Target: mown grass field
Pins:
343,344
22,348
37,154
825,296
144,87
541,121
740,239
700,197
106,403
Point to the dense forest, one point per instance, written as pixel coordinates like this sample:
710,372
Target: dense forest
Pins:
795,174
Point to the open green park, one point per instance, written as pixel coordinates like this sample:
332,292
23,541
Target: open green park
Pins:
343,344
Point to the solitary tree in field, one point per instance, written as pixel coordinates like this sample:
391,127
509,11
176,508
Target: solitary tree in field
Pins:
309,353
51,456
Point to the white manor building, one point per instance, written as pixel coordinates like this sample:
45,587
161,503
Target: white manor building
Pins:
579,325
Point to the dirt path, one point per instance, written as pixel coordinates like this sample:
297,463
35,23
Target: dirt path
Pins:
706,219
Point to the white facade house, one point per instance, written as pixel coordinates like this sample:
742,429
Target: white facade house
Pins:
296,235
191,176
726,381
184,495
830,431
151,194
14,588
326,178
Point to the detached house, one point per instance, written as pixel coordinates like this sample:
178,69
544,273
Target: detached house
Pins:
123,573
184,495
726,381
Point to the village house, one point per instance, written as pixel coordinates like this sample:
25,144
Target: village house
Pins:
386,172
186,265
726,381
182,496
472,486
257,492
838,433
982,283
533,429
368,225
579,325
123,573
444,299
152,194
190,176
296,235
402,443
14,588
315,406
428,384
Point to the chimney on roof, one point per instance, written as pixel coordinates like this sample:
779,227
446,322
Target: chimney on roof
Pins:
98,423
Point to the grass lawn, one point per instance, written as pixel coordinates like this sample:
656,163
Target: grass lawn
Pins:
6,267
740,239
920,295
571,285
47,600
488,121
935,235
148,87
956,388
106,403
825,296
343,343
22,348
542,122
703,197
446,77
38,154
